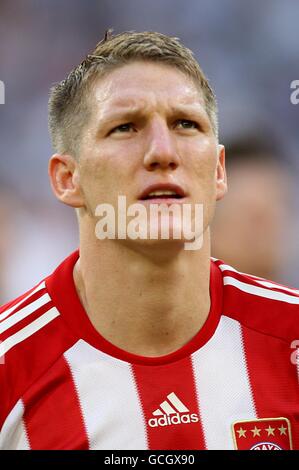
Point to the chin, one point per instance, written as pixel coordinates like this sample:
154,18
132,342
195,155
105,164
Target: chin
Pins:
162,249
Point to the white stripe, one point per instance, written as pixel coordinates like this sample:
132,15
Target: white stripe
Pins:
158,413
259,280
13,433
167,408
222,384
28,331
226,267
175,401
11,309
24,312
260,291
109,399
275,286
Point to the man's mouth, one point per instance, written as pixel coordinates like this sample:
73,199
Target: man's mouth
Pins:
163,192
163,195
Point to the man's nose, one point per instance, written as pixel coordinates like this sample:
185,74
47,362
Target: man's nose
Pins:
161,150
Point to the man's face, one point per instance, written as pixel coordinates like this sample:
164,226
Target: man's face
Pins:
149,126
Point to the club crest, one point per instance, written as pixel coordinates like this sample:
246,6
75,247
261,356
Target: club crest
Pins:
262,434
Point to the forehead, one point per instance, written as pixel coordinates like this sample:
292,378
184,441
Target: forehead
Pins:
142,84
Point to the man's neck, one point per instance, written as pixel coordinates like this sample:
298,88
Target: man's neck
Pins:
141,306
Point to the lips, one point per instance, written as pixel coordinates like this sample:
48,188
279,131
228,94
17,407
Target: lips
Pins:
163,191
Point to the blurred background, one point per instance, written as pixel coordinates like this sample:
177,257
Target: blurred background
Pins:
249,52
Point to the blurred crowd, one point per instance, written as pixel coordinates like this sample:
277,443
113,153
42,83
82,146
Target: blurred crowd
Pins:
254,230
248,50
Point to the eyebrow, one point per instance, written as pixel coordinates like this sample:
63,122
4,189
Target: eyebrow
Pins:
127,111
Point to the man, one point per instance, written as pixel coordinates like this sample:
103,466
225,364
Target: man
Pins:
140,343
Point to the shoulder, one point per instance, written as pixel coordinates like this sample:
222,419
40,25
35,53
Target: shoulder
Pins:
24,316
32,337
260,304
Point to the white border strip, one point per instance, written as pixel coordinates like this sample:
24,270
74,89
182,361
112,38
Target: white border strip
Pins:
28,331
24,312
260,291
11,309
259,280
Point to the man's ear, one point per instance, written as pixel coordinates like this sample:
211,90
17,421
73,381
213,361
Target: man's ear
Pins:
221,180
64,176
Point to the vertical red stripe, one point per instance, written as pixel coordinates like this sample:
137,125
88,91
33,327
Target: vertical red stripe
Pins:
154,383
53,417
273,379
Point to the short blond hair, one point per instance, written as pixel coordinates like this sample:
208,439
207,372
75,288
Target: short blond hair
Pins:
69,108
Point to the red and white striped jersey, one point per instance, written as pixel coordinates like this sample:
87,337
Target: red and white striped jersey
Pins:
63,386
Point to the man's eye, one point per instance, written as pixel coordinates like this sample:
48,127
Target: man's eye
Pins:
123,128
186,124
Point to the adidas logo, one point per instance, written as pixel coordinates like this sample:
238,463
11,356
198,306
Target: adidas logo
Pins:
172,412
